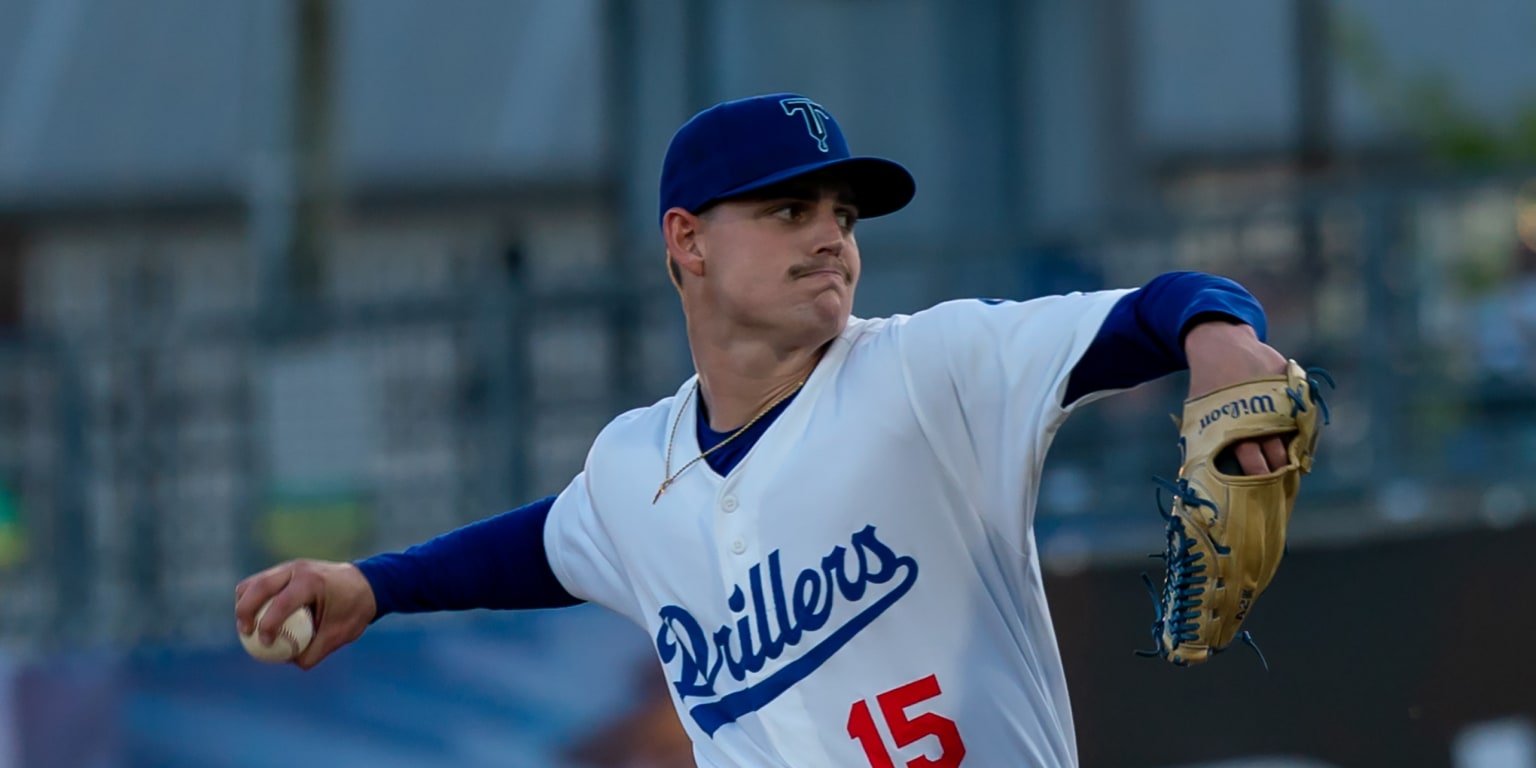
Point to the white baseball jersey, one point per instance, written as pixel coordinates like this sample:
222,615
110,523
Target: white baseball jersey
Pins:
863,587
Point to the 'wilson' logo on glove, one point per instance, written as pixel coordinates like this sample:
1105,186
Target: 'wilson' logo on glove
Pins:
1255,404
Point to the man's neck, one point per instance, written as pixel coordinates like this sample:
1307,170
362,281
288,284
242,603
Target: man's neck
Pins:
738,384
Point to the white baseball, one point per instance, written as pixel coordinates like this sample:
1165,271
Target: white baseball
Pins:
297,630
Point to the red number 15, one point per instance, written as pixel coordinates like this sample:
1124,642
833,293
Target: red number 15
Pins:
906,730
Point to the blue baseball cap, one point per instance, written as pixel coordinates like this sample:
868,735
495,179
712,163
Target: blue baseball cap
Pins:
737,147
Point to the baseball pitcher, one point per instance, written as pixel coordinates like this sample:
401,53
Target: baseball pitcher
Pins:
827,531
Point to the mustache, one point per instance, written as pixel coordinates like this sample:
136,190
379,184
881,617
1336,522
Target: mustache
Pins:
801,270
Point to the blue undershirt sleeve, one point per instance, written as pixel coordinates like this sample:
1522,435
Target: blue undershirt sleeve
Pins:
496,563
1142,338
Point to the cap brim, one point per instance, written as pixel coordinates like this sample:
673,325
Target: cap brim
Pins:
879,186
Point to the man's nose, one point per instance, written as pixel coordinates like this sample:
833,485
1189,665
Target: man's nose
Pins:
830,237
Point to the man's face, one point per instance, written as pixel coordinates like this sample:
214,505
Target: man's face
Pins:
784,258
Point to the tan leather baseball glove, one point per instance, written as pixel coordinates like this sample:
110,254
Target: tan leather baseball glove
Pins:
1226,530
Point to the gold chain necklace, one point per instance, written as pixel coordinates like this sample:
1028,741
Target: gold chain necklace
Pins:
671,476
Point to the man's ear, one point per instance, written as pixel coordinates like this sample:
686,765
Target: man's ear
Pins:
680,229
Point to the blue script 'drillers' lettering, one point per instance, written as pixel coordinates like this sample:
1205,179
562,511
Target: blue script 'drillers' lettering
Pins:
762,634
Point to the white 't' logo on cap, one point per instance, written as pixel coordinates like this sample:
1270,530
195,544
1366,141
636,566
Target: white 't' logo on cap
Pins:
813,114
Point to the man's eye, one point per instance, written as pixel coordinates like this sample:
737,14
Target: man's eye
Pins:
846,219
788,212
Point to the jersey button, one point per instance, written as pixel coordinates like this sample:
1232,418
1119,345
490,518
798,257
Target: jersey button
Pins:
728,503
738,546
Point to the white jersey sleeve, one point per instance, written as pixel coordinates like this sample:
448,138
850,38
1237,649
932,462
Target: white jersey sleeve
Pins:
986,379
582,553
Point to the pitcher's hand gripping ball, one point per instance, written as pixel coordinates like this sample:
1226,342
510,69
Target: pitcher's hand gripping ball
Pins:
1226,531
294,636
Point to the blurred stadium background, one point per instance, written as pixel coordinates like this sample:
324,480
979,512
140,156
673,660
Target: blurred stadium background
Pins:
321,278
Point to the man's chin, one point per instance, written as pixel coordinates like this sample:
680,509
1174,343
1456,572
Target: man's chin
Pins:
835,315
